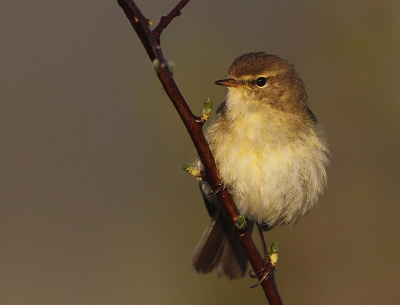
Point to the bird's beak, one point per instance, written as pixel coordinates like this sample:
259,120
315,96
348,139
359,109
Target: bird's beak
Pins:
229,82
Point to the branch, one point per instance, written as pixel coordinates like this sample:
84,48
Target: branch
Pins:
151,42
166,20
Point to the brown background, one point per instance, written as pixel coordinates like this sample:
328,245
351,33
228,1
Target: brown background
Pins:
94,207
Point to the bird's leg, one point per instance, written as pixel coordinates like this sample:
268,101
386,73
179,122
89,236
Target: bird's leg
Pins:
252,273
260,230
269,263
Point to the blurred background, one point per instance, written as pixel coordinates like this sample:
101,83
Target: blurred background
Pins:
94,208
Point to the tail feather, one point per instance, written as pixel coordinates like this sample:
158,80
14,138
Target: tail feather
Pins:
219,247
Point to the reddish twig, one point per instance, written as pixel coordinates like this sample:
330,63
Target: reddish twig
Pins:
150,40
166,20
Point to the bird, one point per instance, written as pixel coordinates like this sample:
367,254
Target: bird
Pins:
270,152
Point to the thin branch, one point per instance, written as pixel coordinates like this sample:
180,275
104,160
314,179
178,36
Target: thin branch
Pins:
141,26
166,20
150,40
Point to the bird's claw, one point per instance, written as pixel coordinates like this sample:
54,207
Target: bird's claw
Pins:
270,261
215,191
265,273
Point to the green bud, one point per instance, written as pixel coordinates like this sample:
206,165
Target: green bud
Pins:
192,170
207,108
241,223
156,64
273,253
171,66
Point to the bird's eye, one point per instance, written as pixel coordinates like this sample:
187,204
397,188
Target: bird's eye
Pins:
261,81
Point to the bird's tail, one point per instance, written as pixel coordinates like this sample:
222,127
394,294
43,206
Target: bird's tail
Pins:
219,247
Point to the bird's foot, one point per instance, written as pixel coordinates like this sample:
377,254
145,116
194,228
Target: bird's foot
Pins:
215,191
270,261
263,274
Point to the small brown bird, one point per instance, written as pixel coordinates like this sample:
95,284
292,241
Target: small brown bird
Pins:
270,152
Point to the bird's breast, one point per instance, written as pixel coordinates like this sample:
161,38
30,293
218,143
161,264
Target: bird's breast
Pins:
268,166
